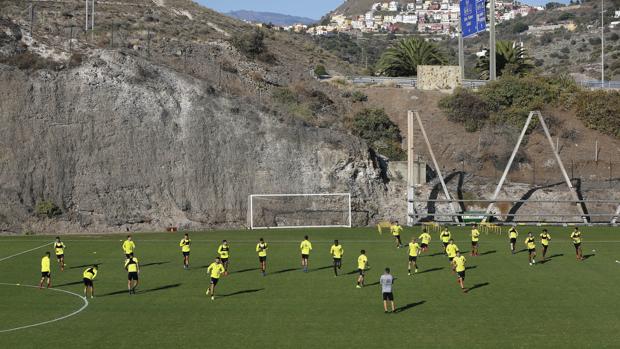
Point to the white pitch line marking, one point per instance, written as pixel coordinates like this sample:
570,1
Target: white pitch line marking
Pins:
48,321
30,250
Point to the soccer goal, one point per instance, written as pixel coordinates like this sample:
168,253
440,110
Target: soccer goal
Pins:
272,211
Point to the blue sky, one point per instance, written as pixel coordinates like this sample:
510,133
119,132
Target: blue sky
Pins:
304,8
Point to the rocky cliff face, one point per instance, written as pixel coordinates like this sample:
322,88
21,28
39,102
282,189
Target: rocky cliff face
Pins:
119,143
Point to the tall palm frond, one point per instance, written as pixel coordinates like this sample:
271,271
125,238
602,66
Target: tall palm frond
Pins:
404,58
510,57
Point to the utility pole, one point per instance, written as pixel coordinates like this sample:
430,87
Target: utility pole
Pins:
492,63
32,19
602,43
461,49
86,21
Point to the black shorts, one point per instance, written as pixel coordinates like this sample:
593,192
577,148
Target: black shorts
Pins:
413,258
531,250
132,275
262,258
45,274
360,271
214,281
59,256
513,240
305,256
474,243
185,254
88,282
338,261
127,255
577,246
445,244
461,274
224,260
424,245
545,247
388,296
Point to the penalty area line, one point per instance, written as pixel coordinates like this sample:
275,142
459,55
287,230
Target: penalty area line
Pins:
20,253
52,320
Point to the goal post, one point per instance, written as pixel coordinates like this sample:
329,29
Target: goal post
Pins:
279,211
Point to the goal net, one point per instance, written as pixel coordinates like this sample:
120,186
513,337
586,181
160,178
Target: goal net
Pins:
270,211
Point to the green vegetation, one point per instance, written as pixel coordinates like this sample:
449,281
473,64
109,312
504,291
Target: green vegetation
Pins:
48,209
289,308
511,59
519,27
404,58
359,96
320,70
600,110
507,100
374,126
252,44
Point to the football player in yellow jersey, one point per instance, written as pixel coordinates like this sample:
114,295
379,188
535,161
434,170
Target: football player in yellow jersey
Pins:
545,238
512,235
261,248
445,237
414,252
425,237
337,252
458,266
185,248
396,230
88,276
133,269
362,264
475,238
530,243
215,271
59,248
305,247
46,273
128,246
451,250
576,237
224,252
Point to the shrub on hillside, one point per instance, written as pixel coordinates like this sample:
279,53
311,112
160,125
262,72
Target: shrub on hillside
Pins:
467,108
252,45
359,96
47,208
375,126
600,110
519,27
320,70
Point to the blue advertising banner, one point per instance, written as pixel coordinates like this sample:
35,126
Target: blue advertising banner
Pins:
473,16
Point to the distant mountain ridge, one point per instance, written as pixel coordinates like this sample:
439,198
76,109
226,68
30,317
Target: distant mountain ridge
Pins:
270,17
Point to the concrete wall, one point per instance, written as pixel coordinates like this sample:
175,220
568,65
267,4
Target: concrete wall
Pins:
438,77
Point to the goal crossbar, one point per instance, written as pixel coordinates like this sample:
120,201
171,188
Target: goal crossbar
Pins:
251,211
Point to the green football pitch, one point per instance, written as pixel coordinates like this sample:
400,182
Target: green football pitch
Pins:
561,303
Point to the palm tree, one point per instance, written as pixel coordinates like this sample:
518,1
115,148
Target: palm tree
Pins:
404,58
510,58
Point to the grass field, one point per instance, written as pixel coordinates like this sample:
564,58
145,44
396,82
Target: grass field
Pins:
561,303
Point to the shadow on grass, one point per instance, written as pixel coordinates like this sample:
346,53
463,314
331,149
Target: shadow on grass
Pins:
588,256
430,270
241,292
84,266
556,255
472,267
476,286
522,250
322,268
437,254
372,284
243,270
488,252
408,306
160,288
69,283
153,263
285,270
